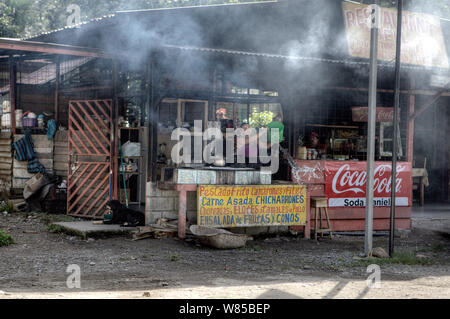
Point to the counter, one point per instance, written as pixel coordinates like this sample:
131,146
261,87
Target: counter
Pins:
344,184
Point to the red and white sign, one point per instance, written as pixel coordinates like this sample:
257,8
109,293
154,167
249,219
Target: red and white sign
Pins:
384,114
346,184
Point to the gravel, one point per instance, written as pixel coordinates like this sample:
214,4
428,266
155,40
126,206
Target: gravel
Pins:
38,261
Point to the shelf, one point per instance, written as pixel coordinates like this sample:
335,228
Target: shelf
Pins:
333,126
130,128
133,157
130,173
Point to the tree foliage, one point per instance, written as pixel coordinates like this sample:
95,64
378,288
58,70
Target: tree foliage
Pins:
24,18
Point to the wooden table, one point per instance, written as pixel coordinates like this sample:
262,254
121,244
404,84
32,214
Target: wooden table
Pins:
423,175
182,190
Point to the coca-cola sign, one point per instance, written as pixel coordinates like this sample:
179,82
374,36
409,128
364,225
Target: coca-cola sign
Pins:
346,184
384,114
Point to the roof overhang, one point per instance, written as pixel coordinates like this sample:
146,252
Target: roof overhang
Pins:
15,46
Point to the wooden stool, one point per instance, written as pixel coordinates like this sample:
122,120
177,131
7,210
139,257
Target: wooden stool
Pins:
321,203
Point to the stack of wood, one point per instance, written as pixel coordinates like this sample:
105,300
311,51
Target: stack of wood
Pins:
163,228
43,148
61,157
5,162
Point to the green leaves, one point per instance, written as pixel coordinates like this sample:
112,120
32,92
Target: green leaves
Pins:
5,239
261,119
26,18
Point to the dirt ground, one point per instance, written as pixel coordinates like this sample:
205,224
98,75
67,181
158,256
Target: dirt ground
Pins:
271,267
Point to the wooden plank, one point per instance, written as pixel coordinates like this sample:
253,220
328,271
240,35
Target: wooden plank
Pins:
5,142
39,141
43,150
5,171
5,154
48,164
6,160
5,166
19,182
5,148
61,166
60,158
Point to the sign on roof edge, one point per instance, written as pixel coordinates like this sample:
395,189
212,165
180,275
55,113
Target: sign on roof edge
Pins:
422,38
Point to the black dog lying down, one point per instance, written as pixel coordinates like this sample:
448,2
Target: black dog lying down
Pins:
124,216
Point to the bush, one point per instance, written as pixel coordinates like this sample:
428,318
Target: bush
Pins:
6,207
5,239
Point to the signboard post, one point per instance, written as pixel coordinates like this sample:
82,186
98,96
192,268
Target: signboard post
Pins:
396,133
374,16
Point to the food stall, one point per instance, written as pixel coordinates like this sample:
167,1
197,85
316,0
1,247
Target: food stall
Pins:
331,161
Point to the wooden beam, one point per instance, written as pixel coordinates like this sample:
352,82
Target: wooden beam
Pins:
406,92
12,92
83,89
429,103
51,48
410,127
57,80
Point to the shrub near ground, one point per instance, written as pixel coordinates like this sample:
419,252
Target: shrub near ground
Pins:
5,239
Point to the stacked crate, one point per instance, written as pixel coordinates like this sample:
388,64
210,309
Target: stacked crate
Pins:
43,147
5,162
61,157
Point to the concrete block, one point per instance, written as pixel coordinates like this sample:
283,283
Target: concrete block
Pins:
162,204
86,229
186,176
256,230
207,178
265,178
170,215
278,229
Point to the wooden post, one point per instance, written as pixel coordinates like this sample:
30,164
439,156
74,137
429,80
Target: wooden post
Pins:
115,134
182,202
410,126
12,92
57,79
307,229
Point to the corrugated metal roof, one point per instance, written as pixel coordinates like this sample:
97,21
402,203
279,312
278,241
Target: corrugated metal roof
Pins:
79,25
295,58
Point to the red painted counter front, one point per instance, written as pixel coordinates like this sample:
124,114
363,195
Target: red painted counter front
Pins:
344,184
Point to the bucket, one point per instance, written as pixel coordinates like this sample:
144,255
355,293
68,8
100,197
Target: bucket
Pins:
6,120
6,107
302,153
27,122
